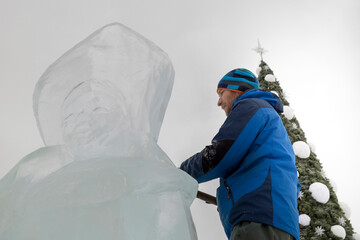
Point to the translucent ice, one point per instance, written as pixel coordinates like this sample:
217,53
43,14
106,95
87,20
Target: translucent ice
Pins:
101,175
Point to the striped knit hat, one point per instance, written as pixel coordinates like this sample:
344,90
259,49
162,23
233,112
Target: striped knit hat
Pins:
238,80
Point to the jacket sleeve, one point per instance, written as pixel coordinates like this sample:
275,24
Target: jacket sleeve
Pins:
207,159
240,128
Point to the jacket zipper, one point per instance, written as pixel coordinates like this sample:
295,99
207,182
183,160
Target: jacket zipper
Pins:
229,192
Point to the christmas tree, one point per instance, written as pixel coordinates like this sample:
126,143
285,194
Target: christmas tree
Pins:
321,216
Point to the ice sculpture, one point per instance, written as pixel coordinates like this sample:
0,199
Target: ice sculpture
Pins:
101,175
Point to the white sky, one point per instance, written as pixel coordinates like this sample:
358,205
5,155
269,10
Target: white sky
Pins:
314,52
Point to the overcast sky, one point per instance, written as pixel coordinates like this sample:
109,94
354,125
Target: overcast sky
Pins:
313,47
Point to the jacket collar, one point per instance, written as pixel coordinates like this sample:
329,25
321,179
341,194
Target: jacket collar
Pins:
271,98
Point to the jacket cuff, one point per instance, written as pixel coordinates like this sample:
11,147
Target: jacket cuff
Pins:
193,166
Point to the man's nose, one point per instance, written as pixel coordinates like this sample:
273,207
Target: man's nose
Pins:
219,102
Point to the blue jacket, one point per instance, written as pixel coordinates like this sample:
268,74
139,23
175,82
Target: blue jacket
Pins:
254,159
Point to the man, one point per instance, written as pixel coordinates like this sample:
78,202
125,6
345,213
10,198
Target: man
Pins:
254,159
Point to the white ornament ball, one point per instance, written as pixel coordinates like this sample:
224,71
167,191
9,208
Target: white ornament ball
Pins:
338,231
323,173
304,220
274,92
301,149
334,185
288,112
320,192
270,78
356,236
346,208
312,146
258,70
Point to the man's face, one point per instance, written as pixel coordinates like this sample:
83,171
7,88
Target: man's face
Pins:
226,99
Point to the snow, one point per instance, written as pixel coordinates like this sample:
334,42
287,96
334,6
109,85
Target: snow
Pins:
320,192
338,231
101,174
301,149
304,219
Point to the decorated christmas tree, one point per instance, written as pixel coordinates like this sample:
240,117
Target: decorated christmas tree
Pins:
321,215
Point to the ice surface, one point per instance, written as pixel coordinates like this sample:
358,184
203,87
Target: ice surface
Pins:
101,175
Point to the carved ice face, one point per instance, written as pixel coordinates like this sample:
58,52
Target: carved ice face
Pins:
93,117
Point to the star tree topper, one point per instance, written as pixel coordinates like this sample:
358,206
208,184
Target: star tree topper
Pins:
260,50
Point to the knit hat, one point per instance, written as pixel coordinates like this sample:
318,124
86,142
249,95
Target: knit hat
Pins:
238,80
